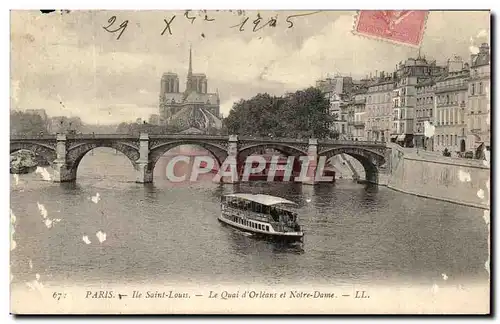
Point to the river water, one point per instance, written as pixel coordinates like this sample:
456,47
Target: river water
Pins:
169,232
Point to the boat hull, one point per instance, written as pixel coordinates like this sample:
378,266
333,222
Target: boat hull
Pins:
269,236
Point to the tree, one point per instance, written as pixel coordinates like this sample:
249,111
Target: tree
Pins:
123,128
22,123
300,114
75,124
305,113
64,124
256,116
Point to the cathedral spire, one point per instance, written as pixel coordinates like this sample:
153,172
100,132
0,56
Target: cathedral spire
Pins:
189,80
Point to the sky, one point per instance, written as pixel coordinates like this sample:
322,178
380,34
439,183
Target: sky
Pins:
68,64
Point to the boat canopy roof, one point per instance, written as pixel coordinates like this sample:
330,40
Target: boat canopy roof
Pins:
266,200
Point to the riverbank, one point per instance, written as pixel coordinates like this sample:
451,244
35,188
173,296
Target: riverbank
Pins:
425,174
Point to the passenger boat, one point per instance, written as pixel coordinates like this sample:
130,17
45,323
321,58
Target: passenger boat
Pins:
261,215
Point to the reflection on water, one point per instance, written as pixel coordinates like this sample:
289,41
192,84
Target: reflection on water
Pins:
162,232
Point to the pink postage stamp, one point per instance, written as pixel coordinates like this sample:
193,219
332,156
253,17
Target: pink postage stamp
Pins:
398,26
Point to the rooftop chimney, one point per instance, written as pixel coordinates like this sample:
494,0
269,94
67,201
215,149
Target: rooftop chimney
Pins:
484,48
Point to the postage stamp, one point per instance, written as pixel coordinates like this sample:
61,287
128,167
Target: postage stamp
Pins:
404,27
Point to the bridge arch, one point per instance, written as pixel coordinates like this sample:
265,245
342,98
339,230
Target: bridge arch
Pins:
370,160
219,153
47,152
284,149
76,153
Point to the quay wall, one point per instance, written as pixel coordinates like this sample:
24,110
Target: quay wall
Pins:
427,174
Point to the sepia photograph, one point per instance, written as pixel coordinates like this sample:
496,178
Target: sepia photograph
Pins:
250,162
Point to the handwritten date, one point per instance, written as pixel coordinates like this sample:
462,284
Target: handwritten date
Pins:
258,22
120,29
271,23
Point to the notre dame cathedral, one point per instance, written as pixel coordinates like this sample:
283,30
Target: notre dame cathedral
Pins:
194,110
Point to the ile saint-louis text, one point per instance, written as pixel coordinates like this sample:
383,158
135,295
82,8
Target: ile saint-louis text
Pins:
226,295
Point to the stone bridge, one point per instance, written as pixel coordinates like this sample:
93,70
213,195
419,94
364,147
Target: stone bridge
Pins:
65,151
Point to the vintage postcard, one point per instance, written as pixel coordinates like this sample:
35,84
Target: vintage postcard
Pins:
250,162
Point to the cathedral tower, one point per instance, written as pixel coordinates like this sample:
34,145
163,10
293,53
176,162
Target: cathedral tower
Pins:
169,83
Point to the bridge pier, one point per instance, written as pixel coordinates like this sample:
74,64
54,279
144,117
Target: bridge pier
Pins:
144,172
62,172
230,165
308,170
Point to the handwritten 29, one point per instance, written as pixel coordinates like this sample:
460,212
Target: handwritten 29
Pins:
255,23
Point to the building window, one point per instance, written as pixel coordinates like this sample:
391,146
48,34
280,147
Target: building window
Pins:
480,87
472,88
456,140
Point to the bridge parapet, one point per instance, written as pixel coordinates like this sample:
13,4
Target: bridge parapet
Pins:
287,140
348,142
101,136
189,136
73,136
32,137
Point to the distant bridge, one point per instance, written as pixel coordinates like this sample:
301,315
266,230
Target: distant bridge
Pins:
65,151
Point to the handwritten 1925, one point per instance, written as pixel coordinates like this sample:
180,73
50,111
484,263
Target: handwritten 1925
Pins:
258,22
